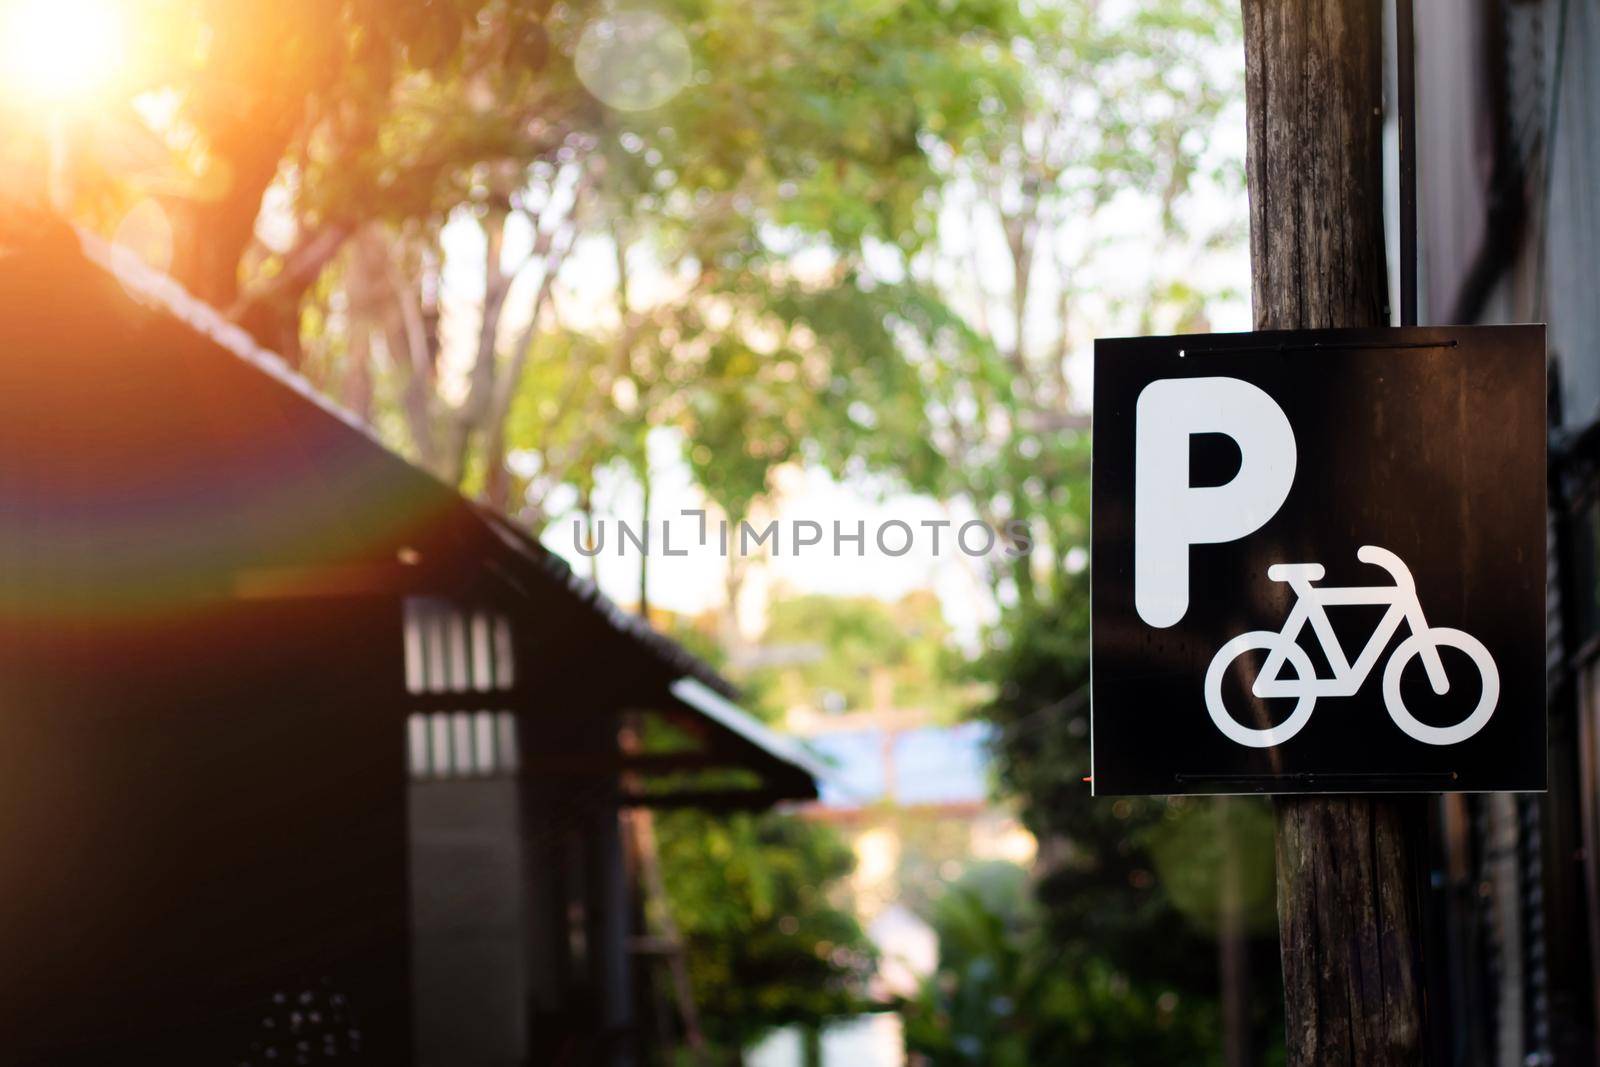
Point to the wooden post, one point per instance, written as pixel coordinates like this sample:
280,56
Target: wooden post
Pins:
1348,913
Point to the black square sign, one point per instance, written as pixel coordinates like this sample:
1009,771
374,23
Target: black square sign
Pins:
1319,562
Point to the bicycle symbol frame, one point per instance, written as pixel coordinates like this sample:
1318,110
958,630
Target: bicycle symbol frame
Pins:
1311,606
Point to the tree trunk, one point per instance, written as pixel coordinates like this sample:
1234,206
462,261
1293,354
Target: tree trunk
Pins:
1347,898
497,481
469,419
214,231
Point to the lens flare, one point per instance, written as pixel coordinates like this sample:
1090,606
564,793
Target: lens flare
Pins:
146,232
633,60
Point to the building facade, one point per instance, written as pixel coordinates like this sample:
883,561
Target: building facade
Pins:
1509,203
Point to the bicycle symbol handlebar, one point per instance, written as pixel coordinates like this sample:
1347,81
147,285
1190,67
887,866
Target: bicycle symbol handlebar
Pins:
1310,606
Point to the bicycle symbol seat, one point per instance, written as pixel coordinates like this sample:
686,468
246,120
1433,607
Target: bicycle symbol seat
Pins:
1311,606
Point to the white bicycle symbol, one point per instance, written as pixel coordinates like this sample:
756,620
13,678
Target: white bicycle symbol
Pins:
1311,605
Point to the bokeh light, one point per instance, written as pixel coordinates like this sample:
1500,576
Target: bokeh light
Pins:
146,231
633,60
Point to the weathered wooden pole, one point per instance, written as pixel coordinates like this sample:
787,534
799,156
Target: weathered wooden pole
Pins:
1347,897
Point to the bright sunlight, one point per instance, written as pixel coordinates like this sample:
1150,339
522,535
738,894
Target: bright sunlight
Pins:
60,51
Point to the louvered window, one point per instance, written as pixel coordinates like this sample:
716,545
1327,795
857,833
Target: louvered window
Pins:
453,649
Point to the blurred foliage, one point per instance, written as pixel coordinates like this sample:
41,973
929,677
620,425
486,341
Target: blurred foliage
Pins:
1006,995
1191,850
829,653
766,947
1130,887
805,129
759,903
808,140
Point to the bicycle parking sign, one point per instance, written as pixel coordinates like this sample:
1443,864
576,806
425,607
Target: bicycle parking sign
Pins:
1319,562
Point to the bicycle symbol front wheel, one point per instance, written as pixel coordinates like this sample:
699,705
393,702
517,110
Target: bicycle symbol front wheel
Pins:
1264,737
1441,637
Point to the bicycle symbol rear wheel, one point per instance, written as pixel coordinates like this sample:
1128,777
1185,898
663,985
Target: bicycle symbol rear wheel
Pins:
1232,728
1441,637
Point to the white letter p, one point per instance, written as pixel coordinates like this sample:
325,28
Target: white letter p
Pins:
1169,514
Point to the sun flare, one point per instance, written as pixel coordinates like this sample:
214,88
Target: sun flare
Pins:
57,52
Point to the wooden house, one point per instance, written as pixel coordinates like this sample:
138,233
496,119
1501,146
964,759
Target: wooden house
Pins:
303,756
